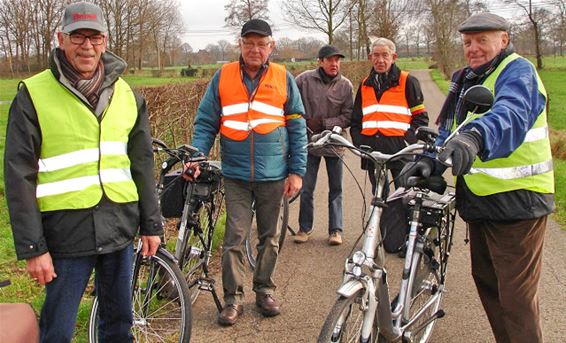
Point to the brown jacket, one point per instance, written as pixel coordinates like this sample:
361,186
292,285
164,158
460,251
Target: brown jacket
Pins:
331,101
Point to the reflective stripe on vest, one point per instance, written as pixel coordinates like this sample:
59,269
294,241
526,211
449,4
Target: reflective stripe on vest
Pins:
529,167
263,114
391,116
80,158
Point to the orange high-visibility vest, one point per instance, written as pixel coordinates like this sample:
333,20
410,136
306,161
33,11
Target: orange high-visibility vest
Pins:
261,113
391,116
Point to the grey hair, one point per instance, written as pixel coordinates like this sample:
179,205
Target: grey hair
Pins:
381,41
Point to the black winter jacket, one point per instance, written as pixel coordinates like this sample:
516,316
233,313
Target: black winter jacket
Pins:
104,228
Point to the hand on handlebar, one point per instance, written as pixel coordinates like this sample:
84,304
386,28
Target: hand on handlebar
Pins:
191,171
422,168
461,152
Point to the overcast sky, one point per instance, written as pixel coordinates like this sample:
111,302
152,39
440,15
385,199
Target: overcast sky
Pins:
204,23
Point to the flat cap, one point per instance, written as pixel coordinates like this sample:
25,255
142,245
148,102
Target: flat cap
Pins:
257,26
484,21
329,51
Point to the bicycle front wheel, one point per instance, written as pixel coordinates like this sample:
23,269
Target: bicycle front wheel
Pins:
160,300
252,240
344,322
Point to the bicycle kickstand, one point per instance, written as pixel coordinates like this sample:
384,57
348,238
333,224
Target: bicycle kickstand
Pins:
207,284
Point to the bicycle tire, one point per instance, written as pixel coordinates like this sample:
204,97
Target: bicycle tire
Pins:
252,240
344,321
425,282
162,312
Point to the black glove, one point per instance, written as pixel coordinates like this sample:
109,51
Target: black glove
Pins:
422,168
463,149
315,124
410,137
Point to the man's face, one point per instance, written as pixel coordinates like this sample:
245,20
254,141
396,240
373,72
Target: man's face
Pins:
84,57
482,47
256,50
330,65
382,58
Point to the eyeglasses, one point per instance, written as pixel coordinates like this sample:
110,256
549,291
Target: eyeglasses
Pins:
79,38
261,45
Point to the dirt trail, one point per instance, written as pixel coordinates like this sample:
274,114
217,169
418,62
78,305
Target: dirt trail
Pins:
308,275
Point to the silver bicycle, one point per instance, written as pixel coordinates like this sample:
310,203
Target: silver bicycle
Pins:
364,310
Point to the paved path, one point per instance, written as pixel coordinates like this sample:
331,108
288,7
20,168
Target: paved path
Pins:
307,277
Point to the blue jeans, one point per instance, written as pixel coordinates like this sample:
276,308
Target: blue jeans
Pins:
113,288
334,170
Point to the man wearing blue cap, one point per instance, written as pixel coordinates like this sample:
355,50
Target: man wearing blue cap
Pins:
79,182
505,180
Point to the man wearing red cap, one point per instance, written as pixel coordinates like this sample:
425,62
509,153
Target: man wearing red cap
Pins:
78,165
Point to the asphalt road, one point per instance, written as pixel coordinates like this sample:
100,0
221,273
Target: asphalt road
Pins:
308,275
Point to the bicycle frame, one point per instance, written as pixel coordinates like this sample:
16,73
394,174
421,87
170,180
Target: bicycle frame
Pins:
392,323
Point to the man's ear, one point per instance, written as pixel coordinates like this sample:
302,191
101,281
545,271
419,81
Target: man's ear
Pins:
505,39
60,39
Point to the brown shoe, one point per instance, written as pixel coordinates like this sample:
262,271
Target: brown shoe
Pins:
229,314
267,305
335,238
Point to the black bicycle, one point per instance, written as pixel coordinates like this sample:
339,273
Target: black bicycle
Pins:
193,209
160,299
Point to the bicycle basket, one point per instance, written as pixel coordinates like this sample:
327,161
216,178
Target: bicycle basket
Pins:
394,224
173,197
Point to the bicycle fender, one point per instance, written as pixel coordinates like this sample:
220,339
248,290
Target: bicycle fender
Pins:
350,288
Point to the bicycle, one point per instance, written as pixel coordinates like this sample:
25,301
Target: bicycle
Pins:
160,299
363,311
197,206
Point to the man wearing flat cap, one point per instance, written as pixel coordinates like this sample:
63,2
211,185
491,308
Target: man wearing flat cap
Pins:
505,180
388,109
328,100
78,167
256,107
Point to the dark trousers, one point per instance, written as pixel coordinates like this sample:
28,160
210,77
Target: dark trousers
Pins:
506,267
113,288
395,171
239,197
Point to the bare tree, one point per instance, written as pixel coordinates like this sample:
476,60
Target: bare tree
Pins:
387,16
534,19
240,11
325,16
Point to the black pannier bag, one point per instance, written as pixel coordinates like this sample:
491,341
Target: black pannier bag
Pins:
175,188
173,196
394,224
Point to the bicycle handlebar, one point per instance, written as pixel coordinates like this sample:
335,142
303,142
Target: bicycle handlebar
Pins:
328,137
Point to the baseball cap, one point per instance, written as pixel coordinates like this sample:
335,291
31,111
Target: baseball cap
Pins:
83,15
258,26
484,21
329,51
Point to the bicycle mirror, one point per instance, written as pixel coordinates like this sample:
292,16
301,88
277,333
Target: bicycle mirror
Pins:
478,99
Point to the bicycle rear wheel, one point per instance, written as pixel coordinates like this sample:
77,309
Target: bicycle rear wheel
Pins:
252,240
344,322
160,300
426,282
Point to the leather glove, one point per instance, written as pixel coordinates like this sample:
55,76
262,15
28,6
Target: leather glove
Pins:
463,149
315,124
422,168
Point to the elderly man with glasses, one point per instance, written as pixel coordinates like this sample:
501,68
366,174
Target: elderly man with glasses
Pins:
78,169
256,107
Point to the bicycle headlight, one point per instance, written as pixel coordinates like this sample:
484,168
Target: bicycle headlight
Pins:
359,258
